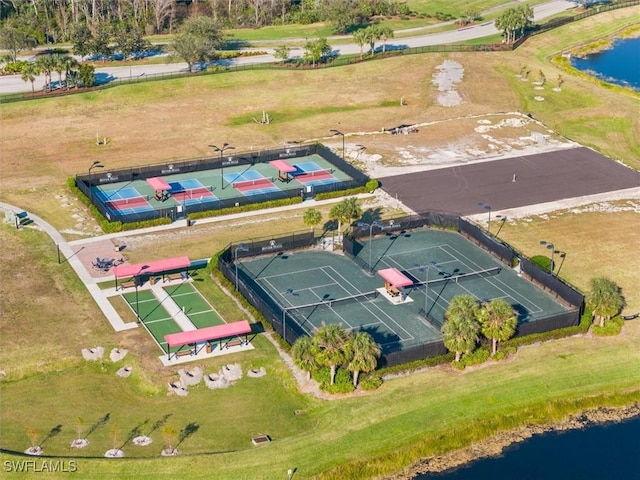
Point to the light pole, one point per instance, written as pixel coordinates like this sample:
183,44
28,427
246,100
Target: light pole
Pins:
504,220
488,208
225,147
425,269
562,256
549,246
95,164
137,279
338,132
243,248
375,223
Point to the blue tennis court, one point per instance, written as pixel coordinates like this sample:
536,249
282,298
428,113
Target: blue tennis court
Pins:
121,193
310,173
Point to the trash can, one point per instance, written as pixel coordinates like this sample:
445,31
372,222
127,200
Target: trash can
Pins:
153,280
189,222
208,349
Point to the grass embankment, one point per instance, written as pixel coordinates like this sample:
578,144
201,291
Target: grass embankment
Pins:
47,316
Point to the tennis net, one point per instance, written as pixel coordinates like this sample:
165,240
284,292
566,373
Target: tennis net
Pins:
465,276
331,302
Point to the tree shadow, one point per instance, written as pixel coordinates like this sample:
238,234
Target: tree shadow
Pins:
98,424
159,423
186,432
52,433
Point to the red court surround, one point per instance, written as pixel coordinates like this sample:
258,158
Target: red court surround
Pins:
395,278
209,333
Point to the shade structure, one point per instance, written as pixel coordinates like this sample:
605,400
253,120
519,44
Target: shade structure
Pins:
158,183
158,266
395,278
283,166
209,333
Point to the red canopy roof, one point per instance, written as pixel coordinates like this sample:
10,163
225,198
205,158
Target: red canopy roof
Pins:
158,183
395,278
208,333
283,166
152,267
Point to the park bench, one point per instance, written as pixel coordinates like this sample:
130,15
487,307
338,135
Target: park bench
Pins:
234,342
130,283
184,353
175,276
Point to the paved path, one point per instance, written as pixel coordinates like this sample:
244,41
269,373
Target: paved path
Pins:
14,84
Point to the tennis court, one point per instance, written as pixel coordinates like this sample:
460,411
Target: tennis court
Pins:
316,286
174,190
172,309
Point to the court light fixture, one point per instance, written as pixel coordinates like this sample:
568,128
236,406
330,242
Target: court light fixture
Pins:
136,281
221,150
425,269
487,207
338,132
95,164
370,226
549,246
242,248
503,218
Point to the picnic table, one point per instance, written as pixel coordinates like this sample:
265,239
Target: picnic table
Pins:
105,264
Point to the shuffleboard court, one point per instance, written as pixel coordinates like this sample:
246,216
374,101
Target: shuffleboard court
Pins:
153,315
544,177
201,313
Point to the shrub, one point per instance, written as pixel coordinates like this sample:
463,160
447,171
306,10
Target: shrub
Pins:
542,262
371,382
477,357
611,327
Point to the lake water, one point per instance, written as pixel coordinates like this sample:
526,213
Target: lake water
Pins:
619,65
609,451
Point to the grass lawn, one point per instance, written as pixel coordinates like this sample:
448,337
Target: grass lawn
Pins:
48,316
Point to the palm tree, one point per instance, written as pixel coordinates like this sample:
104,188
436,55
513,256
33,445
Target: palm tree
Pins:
365,352
460,330
331,347
360,39
386,33
498,322
68,63
345,211
303,355
46,64
312,217
28,74
604,299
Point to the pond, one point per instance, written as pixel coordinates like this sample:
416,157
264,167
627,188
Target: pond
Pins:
599,451
619,65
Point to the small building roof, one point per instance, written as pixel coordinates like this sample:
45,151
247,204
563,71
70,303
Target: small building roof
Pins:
209,333
152,267
395,278
158,183
283,166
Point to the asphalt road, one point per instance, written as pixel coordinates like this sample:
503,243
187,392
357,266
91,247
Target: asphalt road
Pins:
14,84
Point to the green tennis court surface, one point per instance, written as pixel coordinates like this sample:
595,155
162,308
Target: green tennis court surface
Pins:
159,322
310,285
195,306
